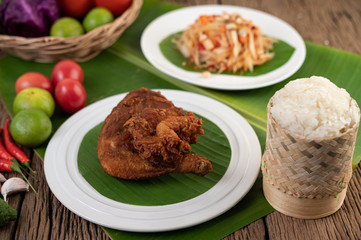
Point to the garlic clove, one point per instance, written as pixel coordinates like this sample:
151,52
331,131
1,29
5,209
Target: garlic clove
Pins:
2,178
13,185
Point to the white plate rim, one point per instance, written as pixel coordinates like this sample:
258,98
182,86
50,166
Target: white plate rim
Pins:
71,189
151,38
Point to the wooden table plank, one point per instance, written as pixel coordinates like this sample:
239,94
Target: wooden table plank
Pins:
332,23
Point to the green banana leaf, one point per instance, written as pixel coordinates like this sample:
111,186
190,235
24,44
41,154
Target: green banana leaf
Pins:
167,189
282,51
122,68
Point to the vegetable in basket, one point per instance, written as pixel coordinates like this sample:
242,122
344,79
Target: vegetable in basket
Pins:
28,18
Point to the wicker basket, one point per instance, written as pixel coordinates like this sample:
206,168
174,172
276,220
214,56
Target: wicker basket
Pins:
79,48
306,178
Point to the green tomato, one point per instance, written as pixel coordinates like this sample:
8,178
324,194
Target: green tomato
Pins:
30,127
34,98
96,17
66,27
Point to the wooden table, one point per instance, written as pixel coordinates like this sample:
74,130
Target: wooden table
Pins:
332,23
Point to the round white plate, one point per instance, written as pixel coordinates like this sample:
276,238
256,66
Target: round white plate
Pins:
68,185
178,20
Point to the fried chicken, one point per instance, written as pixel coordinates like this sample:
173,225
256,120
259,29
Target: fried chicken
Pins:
146,136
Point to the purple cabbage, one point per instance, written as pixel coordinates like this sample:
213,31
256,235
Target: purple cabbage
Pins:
28,18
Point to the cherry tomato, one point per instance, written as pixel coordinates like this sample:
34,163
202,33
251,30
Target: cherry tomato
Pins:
117,7
33,79
67,69
70,95
76,8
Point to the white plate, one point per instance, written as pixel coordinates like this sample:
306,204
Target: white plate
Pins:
178,20
76,194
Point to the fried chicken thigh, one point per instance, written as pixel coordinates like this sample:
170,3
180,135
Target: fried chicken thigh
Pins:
146,136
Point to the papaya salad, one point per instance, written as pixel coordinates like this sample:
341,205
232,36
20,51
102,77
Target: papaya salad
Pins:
224,43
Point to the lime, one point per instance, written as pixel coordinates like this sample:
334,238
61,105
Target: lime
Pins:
66,27
30,127
34,98
96,17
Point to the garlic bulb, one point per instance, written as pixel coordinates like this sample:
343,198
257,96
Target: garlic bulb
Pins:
13,185
2,178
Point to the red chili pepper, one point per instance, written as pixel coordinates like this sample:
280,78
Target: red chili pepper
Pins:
13,149
3,153
200,46
13,166
5,166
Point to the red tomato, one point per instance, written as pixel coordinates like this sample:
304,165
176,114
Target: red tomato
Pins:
33,79
70,95
117,7
77,8
67,69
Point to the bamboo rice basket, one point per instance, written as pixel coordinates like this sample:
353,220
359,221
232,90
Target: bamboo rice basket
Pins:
306,178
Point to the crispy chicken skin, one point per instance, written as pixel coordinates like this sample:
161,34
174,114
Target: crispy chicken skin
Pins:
146,136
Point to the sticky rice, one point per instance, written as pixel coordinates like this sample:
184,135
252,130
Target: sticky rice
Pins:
314,107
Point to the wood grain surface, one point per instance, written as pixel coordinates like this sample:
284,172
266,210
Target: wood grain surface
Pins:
332,23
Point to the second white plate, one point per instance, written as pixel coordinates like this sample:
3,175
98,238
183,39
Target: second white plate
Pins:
179,20
72,190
